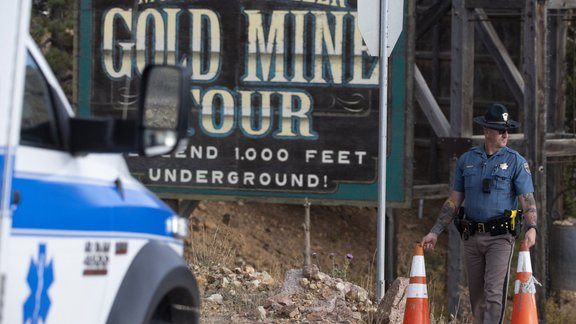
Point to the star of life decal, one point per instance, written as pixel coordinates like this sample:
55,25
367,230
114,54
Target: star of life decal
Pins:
40,278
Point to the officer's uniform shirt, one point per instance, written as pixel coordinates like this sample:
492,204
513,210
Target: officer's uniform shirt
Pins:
509,176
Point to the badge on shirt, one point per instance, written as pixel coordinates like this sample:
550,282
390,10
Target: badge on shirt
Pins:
503,166
527,168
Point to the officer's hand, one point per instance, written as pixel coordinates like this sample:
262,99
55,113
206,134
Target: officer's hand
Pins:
530,237
429,241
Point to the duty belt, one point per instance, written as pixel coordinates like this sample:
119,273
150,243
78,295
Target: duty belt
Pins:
496,226
510,222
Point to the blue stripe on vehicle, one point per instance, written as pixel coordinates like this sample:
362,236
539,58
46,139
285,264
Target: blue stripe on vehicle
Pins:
1,173
46,204
1,164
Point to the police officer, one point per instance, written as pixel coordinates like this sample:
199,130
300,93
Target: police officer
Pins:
490,178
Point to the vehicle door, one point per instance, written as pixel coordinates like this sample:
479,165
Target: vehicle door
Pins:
60,221
13,23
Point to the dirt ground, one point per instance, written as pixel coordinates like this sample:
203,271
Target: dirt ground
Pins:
271,238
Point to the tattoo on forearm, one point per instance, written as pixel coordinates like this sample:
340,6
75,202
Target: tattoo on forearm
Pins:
529,198
530,212
447,213
530,216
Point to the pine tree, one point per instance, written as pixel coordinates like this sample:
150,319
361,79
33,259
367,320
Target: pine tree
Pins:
52,27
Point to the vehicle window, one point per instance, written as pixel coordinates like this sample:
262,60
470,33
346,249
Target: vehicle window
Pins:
38,126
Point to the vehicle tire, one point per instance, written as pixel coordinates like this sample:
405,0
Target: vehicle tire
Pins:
174,309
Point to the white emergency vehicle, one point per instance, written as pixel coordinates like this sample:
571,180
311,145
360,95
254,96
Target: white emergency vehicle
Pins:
81,241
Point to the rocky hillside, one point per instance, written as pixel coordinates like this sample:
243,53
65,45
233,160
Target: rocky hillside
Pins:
248,260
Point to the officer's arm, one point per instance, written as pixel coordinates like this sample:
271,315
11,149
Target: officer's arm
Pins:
448,211
530,217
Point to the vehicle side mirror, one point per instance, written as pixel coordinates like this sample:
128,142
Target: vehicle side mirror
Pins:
164,108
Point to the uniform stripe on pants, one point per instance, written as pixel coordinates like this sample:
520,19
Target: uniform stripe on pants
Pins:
487,260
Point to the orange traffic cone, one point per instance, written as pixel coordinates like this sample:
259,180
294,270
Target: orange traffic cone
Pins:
524,310
416,310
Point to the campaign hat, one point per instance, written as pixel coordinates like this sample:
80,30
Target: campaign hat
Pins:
497,117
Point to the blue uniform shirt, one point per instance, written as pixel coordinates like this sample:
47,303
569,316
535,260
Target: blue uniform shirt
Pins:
509,176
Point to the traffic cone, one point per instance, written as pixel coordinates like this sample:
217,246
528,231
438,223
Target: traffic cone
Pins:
416,311
524,309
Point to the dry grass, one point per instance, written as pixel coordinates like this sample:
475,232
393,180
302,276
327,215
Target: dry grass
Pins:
211,252
210,248
561,308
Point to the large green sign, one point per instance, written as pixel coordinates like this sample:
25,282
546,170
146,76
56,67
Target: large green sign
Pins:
285,96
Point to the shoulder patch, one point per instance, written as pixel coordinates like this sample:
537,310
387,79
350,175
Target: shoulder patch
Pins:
527,168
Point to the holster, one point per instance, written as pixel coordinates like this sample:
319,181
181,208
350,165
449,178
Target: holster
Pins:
458,220
515,220
463,225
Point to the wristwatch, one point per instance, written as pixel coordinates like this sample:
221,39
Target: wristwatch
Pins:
528,227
